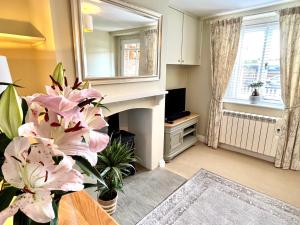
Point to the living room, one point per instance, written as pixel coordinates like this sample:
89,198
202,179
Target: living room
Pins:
155,112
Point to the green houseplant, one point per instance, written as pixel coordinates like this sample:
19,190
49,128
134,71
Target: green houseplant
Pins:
113,164
255,97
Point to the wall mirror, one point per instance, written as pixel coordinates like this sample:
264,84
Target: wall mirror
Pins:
115,42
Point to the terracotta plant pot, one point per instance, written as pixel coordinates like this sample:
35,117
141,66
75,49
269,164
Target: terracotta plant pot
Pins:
109,206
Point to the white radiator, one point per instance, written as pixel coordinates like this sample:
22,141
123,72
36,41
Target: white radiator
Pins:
252,132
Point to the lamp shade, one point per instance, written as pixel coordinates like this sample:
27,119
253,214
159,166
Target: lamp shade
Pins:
4,73
88,23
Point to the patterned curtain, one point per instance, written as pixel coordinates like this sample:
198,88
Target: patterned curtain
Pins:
147,64
224,40
288,149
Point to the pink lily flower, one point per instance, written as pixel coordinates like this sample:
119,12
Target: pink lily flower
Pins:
69,136
92,118
66,101
68,119
69,141
32,169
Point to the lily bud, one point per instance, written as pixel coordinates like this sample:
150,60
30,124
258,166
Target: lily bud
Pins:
11,113
58,74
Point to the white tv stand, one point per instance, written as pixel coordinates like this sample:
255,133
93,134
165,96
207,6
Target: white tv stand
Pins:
180,135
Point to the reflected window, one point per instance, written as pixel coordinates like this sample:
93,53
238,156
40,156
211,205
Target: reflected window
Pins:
130,57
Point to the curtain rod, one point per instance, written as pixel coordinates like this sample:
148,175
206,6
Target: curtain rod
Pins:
252,12
233,15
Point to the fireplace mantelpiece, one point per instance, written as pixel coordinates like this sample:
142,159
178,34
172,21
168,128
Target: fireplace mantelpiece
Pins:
121,98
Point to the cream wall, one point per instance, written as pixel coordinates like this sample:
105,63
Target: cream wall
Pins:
14,10
100,53
176,76
198,87
62,31
29,65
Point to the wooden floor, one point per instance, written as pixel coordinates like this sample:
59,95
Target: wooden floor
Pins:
257,174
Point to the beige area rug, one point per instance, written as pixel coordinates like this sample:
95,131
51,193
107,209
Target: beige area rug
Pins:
209,199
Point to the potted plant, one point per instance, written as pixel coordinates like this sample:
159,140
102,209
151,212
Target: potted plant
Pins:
114,164
255,97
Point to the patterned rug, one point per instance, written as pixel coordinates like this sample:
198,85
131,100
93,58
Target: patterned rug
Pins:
208,199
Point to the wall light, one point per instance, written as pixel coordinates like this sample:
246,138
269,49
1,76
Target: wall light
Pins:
88,23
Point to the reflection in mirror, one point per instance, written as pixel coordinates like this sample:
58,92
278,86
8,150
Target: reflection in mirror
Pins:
118,42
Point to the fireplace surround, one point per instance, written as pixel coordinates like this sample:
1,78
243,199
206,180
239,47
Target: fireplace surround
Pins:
142,115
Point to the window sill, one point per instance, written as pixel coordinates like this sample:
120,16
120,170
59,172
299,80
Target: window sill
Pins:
261,104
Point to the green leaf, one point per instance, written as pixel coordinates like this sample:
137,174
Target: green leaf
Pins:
31,222
88,169
4,141
24,109
55,208
57,159
89,185
15,85
6,196
21,219
104,172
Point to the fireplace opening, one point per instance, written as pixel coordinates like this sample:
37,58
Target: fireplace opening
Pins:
124,136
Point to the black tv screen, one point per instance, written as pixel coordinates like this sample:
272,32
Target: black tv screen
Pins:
175,102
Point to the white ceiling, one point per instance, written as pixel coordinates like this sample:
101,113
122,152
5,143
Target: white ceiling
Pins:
107,17
212,7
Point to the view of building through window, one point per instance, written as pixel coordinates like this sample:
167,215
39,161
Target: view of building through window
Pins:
130,57
257,60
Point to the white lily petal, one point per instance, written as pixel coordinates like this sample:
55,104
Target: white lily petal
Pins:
39,208
92,117
97,141
11,210
15,154
27,130
80,149
64,177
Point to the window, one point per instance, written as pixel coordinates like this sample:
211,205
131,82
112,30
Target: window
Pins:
257,60
130,57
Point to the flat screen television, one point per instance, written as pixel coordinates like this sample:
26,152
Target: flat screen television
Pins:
175,104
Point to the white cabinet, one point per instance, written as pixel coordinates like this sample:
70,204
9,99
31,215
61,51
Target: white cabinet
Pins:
182,38
174,36
190,50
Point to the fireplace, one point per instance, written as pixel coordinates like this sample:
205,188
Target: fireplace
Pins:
143,116
124,136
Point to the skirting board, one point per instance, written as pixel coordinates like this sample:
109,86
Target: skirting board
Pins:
203,139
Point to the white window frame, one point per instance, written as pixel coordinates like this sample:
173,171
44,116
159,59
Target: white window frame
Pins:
123,42
258,20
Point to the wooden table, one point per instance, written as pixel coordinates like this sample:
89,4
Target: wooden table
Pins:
79,208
